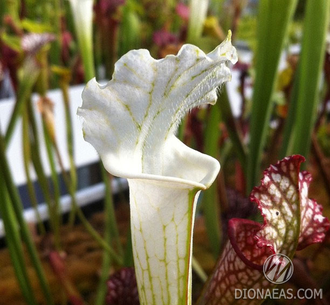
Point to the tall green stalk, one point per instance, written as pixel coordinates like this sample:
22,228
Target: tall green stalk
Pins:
65,76
42,178
306,93
14,244
16,205
55,207
103,243
109,208
30,74
210,201
49,137
273,21
64,84
26,159
109,222
233,130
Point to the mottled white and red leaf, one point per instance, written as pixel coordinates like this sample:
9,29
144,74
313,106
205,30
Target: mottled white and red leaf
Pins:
278,200
292,221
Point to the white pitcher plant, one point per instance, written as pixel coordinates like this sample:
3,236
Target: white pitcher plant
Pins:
132,122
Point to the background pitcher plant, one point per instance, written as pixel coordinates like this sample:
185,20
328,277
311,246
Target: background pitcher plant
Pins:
292,221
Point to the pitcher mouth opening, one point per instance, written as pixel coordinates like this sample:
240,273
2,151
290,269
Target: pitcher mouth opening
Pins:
200,175
247,249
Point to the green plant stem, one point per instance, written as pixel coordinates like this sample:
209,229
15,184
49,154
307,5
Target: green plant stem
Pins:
211,208
82,217
52,148
273,20
55,208
64,84
198,269
128,255
226,151
30,75
17,206
42,179
14,244
55,211
88,226
110,211
26,160
98,238
232,127
306,93
109,220
88,60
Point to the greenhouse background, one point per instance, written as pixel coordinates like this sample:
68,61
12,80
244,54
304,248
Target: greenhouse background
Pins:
65,221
